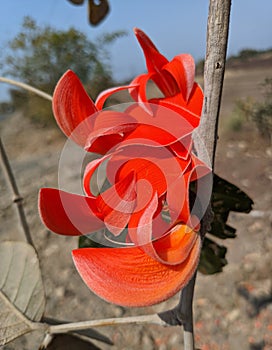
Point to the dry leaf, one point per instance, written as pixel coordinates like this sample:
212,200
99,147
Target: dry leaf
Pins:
22,299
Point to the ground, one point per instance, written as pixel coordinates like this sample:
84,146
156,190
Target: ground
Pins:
232,310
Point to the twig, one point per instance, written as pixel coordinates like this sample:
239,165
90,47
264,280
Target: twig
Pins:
18,200
205,143
75,326
27,87
182,314
216,49
6,165
186,308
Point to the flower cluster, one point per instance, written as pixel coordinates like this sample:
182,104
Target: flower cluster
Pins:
138,192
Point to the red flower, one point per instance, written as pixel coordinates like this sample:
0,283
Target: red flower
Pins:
148,165
174,78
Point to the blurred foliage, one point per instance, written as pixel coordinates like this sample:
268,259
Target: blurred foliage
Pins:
235,121
259,112
246,55
238,61
200,67
38,56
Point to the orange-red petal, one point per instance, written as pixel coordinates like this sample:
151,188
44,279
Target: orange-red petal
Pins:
173,246
138,87
182,69
147,170
189,111
163,125
72,108
88,176
117,204
68,214
104,95
108,130
129,277
154,59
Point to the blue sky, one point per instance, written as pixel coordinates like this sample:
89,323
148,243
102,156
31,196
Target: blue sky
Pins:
174,28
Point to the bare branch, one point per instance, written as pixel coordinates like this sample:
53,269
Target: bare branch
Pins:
216,48
75,326
205,142
18,200
6,165
26,87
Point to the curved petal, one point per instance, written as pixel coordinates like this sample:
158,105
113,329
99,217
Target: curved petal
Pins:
89,172
117,204
172,248
129,277
68,214
182,69
156,166
151,135
103,143
108,130
155,63
190,112
166,83
182,148
154,59
195,101
137,89
72,108
198,168
178,206
194,205
104,95
176,245
168,124
141,226
147,170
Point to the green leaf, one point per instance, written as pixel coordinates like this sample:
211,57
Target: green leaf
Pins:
22,297
212,258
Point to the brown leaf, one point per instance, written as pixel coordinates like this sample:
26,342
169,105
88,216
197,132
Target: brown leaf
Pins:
22,297
97,12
